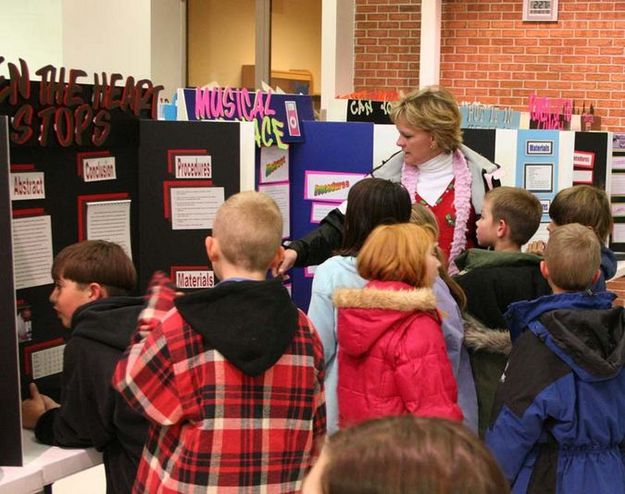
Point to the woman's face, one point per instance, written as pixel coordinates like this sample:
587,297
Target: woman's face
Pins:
417,144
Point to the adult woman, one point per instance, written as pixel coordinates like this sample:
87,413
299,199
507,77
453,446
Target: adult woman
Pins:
435,168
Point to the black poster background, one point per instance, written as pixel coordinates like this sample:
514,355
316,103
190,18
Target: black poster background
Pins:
63,186
10,427
161,247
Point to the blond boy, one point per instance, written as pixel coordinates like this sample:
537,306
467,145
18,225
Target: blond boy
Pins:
232,376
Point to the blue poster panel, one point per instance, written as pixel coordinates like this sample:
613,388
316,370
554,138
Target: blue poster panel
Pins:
333,157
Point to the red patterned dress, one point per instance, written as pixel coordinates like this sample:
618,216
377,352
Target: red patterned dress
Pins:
445,214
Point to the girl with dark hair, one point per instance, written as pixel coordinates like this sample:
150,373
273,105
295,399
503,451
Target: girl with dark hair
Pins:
371,202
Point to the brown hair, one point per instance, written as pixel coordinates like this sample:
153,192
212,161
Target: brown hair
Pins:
586,205
422,216
410,455
372,202
433,109
96,261
249,229
396,253
519,208
573,256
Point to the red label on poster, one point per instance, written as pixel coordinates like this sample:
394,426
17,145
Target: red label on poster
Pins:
291,118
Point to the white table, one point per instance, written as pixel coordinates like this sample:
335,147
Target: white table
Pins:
44,465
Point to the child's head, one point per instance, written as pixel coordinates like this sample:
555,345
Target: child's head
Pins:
582,204
510,214
372,202
572,257
422,216
247,231
402,455
401,252
88,271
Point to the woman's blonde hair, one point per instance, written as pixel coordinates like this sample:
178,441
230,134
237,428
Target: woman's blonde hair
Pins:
396,253
433,109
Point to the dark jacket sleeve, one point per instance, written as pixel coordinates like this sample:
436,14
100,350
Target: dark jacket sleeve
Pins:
320,244
84,418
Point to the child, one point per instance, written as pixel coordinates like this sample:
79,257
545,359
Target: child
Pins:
493,279
559,416
405,455
371,202
92,280
392,355
590,207
451,301
232,376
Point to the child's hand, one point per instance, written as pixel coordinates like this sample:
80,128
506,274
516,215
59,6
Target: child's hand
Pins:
35,407
537,247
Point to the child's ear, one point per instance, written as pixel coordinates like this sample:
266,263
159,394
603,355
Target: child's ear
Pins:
502,228
277,259
96,291
211,248
544,270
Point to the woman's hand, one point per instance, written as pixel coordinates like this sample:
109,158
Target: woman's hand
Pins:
290,256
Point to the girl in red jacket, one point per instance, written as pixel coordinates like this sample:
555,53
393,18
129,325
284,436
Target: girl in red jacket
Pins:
392,355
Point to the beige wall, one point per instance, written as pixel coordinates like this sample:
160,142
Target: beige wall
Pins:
296,37
222,38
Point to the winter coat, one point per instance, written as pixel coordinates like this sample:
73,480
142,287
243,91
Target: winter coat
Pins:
559,416
340,272
92,414
319,244
392,355
492,280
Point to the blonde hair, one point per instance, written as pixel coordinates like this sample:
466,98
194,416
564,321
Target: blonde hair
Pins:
583,204
519,208
422,216
433,109
396,253
248,227
573,256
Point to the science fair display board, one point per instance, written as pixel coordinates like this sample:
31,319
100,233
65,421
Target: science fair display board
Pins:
187,170
10,426
542,161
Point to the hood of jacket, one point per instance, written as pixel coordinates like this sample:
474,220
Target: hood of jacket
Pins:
478,336
110,321
481,258
591,342
251,323
365,314
520,314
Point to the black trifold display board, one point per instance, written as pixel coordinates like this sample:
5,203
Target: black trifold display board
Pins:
10,427
161,143
144,152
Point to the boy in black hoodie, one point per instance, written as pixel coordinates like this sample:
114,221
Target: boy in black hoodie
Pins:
92,280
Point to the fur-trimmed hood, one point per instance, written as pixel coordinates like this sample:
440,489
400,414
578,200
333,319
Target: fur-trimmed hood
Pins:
366,314
478,336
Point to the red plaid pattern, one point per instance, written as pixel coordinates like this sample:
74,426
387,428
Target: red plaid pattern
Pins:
214,427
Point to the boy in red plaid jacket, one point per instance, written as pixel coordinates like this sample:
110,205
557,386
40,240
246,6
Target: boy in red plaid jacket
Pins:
231,377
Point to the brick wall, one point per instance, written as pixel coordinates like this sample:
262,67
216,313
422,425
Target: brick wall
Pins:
489,54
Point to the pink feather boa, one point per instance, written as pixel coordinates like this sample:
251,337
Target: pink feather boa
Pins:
462,201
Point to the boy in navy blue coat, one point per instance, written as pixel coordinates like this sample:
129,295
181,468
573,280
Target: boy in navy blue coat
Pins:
559,416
